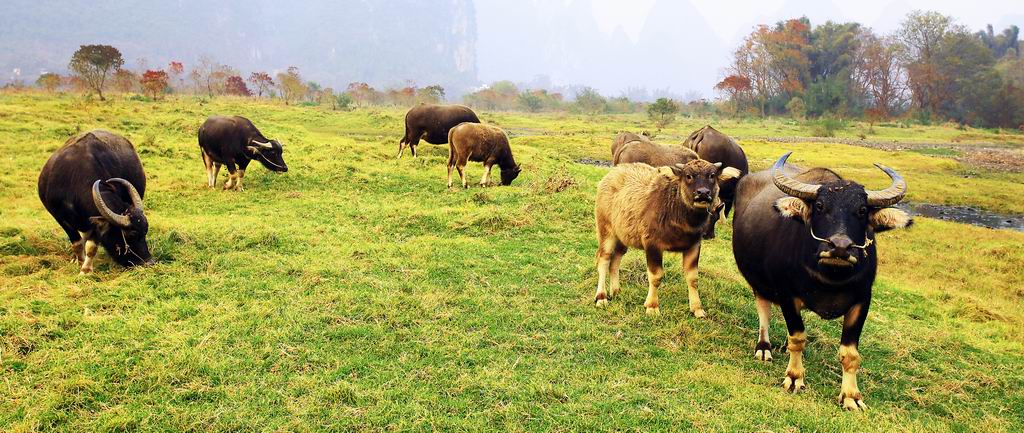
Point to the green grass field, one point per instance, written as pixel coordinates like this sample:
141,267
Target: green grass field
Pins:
356,293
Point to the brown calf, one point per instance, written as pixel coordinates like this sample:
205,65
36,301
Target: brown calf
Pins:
657,210
480,143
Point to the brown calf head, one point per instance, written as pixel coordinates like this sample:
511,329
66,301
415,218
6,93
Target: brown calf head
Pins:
698,181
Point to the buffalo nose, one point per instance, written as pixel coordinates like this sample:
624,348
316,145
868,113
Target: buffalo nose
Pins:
840,244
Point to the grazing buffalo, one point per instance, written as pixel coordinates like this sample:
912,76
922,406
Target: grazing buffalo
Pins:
653,154
93,186
432,123
625,137
656,210
234,141
715,146
806,239
480,143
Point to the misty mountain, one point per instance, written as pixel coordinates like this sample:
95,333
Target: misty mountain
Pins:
332,42
676,50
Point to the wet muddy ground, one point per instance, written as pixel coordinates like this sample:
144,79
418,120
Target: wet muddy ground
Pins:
965,215
1008,157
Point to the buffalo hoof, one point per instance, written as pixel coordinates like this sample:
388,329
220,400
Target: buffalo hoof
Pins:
853,402
763,351
699,313
794,385
653,311
601,303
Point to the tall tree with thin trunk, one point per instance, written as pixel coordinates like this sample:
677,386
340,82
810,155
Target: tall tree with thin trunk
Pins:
94,64
878,73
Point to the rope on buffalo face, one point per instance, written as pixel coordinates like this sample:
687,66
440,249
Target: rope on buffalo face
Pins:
864,247
268,161
128,249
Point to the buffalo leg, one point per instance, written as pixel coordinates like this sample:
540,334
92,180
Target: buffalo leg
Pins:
460,164
232,173
853,322
401,147
654,274
794,380
216,172
238,179
90,256
211,178
690,259
486,179
763,349
613,268
605,246
77,244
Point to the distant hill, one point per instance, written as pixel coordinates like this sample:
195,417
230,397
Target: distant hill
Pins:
332,42
677,50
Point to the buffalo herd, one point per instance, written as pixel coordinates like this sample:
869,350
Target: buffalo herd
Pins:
802,238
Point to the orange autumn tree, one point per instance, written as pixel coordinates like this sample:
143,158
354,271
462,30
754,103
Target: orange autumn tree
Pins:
154,83
737,87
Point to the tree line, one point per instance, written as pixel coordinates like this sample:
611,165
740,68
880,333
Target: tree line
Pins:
929,69
99,69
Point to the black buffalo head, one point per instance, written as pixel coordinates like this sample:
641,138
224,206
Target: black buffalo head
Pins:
270,154
508,175
123,235
841,215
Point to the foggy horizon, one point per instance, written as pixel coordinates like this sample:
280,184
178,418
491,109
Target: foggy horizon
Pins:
648,47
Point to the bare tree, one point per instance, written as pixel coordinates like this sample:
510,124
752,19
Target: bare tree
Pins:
879,74
210,77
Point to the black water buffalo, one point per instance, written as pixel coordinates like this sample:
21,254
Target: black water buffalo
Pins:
432,123
715,146
93,186
805,239
234,141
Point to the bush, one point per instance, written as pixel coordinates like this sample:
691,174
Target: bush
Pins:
343,102
796,107
825,127
662,112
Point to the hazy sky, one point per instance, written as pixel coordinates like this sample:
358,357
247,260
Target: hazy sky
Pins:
684,45
733,19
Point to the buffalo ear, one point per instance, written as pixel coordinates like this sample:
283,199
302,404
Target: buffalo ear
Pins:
729,173
677,169
252,149
102,224
889,218
792,207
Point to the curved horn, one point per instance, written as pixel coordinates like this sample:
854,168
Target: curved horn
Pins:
891,195
266,145
132,192
105,212
792,186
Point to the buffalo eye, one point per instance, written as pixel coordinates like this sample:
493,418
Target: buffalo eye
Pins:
689,178
862,211
819,206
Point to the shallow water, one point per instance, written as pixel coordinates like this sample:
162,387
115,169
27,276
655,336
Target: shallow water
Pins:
966,215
